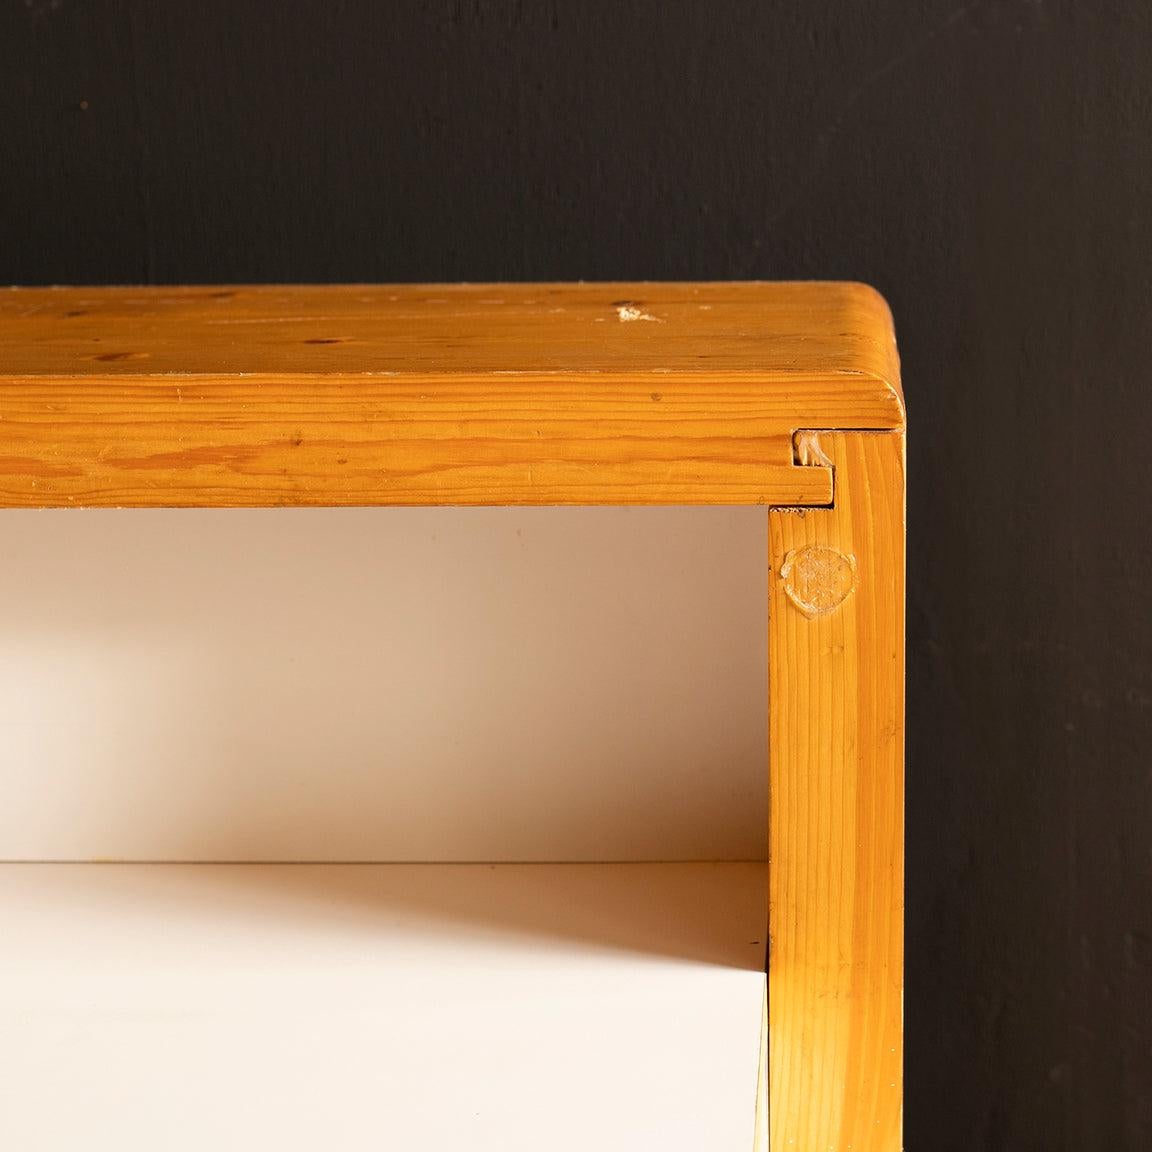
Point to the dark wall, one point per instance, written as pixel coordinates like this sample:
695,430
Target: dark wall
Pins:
988,165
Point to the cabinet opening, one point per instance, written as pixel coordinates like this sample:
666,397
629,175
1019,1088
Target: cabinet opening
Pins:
334,827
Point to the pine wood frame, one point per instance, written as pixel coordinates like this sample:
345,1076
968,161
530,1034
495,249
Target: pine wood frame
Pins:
783,395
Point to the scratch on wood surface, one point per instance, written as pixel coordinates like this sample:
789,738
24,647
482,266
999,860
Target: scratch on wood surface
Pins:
627,312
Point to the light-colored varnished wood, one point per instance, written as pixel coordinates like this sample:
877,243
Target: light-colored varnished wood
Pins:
568,394
485,394
836,709
841,332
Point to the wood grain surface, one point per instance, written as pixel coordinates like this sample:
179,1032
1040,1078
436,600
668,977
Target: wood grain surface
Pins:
987,165
441,394
545,394
836,803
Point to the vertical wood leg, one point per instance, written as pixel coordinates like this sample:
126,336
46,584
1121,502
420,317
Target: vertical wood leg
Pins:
836,740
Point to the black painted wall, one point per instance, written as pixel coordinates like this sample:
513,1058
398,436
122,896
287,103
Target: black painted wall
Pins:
988,165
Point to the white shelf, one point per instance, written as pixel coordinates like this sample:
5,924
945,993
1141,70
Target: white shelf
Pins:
197,1007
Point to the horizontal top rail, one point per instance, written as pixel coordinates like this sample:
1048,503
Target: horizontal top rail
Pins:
435,394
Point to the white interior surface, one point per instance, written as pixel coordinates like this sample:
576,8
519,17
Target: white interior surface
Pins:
181,1008
383,684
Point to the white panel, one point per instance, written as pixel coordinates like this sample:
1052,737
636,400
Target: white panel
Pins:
383,684
503,1008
